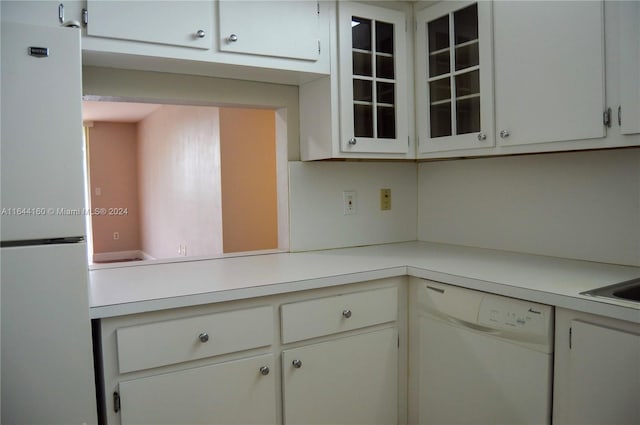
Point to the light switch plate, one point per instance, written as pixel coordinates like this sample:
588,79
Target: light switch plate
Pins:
349,202
385,199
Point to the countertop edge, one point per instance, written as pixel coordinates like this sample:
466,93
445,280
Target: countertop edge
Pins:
576,302
103,312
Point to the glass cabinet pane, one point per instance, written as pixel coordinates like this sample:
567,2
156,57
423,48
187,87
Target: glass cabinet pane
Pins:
385,67
439,64
467,56
438,34
453,75
361,33
363,120
468,83
468,115
385,93
440,89
386,122
362,64
362,90
440,119
374,86
465,24
384,38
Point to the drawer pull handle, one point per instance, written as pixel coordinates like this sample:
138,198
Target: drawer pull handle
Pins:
264,370
297,364
203,337
346,314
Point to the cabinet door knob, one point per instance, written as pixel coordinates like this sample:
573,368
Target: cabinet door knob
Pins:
482,137
233,38
297,363
352,141
504,133
264,370
201,34
203,337
346,313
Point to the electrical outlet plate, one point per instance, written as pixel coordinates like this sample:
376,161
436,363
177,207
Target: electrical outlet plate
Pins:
349,202
385,199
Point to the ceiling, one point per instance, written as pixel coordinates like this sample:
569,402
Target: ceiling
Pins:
116,111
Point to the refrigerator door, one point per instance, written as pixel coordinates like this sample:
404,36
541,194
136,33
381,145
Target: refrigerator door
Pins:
47,359
42,149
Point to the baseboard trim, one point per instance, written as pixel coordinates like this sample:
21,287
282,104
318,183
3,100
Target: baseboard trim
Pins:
104,257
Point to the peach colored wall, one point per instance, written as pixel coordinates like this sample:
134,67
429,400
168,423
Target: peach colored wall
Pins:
178,177
249,191
113,169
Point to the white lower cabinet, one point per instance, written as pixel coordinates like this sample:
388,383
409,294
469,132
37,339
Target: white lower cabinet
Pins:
233,392
597,370
351,380
330,355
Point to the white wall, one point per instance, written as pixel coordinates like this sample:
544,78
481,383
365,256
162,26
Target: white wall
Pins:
317,219
583,205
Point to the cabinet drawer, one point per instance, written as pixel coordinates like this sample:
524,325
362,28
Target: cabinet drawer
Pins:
174,341
325,316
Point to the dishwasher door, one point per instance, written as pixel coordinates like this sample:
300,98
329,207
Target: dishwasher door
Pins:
484,359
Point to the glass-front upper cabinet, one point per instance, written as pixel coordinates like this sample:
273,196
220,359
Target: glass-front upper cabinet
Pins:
373,79
454,80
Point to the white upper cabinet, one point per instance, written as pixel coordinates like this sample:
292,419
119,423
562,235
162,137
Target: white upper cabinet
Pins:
242,28
454,77
177,23
373,79
362,109
279,41
549,71
629,84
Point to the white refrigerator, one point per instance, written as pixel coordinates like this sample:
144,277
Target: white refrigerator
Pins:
46,350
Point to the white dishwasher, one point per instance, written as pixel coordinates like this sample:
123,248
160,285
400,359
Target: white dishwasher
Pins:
483,358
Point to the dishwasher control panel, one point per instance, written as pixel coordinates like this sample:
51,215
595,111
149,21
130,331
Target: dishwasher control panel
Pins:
514,320
510,314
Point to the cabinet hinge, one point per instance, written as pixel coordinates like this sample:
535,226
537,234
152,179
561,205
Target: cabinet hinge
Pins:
570,332
606,117
85,17
116,402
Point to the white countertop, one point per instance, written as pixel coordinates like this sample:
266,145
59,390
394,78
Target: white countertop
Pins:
548,280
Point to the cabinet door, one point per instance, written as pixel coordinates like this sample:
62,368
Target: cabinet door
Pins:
454,67
353,380
373,79
234,392
629,112
179,23
604,375
549,71
288,29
